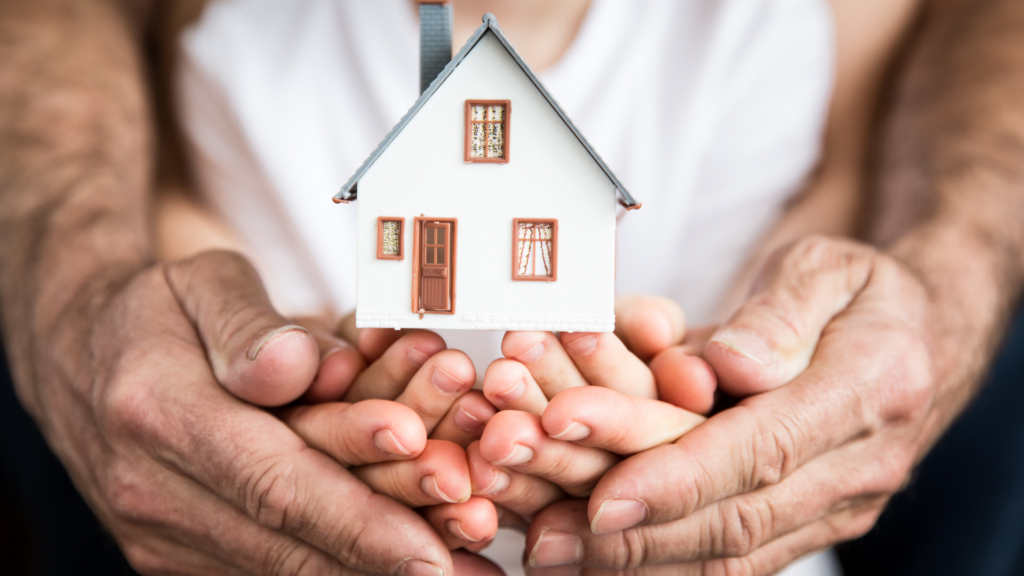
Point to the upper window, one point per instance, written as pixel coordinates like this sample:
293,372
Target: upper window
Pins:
535,249
389,238
487,134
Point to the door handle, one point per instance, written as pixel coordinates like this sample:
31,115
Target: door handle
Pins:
435,272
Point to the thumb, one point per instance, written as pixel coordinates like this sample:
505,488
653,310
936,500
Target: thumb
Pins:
255,353
772,337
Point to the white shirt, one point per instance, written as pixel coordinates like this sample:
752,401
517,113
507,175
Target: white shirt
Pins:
711,112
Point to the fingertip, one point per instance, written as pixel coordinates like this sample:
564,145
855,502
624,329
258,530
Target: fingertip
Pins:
446,462
523,346
456,364
504,381
338,370
684,380
473,412
649,324
402,422
278,367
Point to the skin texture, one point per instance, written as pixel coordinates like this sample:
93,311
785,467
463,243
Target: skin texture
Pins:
858,357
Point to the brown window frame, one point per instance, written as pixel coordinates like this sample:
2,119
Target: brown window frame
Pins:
380,238
506,122
554,250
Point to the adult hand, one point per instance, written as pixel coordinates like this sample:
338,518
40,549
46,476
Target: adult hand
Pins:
187,477
837,342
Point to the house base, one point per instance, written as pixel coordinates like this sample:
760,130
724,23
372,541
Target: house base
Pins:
470,322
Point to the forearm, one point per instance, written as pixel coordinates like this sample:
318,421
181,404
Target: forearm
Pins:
74,173
950,191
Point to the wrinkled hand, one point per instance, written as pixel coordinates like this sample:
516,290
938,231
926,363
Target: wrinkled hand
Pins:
573,405
190,479
835,346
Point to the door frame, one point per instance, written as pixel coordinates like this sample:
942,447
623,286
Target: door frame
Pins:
417,234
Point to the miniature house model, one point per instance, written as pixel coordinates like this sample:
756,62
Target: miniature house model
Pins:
484,208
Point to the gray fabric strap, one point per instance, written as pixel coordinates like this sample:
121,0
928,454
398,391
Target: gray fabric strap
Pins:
435,41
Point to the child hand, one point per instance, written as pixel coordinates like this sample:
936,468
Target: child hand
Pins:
411,384
526,461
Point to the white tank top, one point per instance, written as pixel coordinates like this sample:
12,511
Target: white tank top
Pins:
711,112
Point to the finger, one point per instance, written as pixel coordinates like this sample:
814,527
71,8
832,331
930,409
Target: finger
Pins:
255,353
374,342
388,376
697,338
684,380
363,433
439,475
555,542
851,478
202,534
609,420
445,377
766,438
247,456
516,440
543,355
522,494
467,564
648,324
465,422
508,385
340,363
604,361
772,337
468,524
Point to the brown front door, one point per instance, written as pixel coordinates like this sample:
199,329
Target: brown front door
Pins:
436,266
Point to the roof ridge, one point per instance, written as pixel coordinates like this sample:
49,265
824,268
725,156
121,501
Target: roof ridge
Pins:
488,23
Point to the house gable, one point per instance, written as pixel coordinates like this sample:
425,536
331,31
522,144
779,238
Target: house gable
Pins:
489,30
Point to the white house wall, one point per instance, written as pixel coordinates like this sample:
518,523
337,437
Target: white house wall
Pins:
550,175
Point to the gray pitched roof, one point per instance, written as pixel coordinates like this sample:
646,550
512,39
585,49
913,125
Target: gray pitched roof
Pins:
490,24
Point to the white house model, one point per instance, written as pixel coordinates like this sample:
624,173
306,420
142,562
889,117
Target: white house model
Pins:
484,208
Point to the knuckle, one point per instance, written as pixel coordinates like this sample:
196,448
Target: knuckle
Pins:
630,551
130,498
775,451
291,558
743,526
130,408
269,495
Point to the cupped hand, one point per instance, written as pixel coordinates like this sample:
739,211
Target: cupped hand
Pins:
573,405
835,343
432,385
186,476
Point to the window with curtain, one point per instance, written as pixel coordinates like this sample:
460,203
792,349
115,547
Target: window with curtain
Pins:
535,245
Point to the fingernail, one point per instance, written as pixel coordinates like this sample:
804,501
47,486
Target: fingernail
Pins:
454,528
417,357
556,549
254,350
429,485
617,515
573,432
466,421
532,355
420,568
386,442
582,346
499,484
520,455
513,393
746,343
446,383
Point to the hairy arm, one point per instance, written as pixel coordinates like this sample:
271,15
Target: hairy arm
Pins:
75,173
949,196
